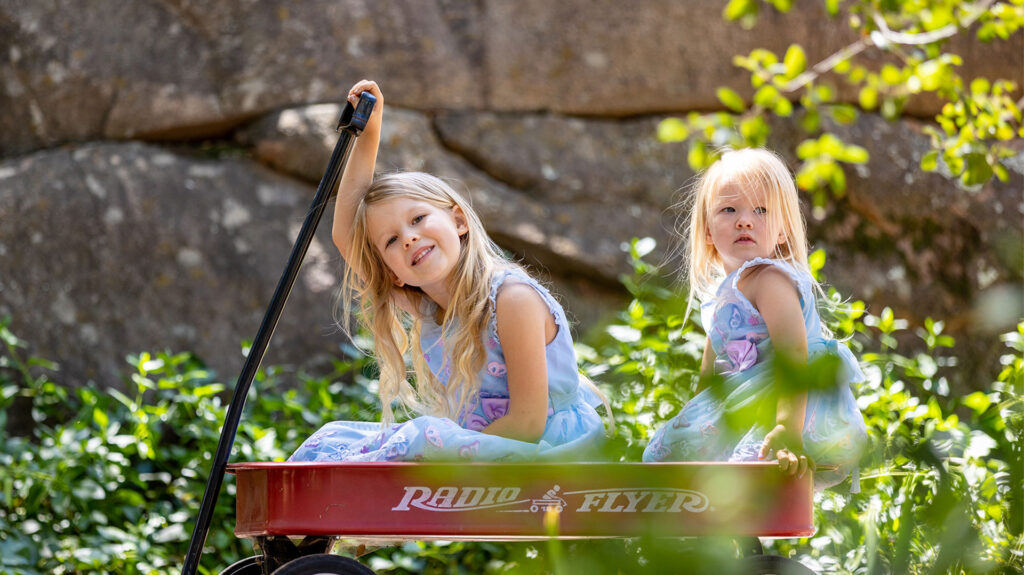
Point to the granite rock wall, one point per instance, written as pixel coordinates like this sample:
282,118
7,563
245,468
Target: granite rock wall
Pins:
157,158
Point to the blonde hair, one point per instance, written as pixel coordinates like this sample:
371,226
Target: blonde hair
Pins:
395,332
751,168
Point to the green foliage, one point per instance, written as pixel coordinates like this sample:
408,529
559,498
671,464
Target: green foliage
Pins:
109,482
969,139
943,482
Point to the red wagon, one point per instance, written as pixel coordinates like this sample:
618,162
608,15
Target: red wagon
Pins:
296,512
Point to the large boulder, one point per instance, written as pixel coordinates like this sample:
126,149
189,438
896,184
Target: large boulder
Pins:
544,112
89,69
174,70
112,249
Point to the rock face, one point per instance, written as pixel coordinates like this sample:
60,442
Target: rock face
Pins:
110,249
157,158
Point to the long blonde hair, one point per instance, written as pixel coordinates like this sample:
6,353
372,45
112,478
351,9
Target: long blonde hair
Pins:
752,168
395,332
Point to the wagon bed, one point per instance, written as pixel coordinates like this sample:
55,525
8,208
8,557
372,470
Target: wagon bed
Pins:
509,501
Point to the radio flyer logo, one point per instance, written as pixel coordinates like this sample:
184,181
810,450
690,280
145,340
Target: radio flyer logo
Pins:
511,500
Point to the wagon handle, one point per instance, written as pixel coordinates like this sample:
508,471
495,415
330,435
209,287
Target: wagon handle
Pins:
351,124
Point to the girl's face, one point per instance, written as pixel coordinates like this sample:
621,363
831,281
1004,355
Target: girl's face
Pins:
419,242
739,227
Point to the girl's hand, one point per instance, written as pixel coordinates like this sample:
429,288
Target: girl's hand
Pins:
366,86
790,456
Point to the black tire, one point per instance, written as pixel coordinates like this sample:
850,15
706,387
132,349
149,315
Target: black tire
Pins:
323,564
773,565
248,566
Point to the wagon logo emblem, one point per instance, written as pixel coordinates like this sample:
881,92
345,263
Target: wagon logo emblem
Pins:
508,500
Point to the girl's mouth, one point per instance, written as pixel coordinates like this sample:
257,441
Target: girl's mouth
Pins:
744,240
422,253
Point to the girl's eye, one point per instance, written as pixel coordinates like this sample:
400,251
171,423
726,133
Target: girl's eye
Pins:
417,219
390,241
761,210
728,210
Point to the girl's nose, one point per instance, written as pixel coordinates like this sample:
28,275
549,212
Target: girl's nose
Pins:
744,221
410,239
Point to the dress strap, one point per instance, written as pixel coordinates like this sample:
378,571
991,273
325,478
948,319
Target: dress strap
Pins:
521,276
802,280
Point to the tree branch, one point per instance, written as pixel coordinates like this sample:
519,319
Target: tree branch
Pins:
910,39
887,36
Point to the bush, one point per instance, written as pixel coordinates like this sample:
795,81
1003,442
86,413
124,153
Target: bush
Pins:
109,482
943,481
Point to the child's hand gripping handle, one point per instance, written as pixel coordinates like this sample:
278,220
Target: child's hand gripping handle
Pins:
354,118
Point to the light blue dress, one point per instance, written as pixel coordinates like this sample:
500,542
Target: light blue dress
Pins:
574,429
833,433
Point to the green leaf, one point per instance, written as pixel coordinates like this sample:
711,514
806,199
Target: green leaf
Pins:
100,418
854,155
795,61
977,170
737,9
205,390
783,108
808,149
697,157
930,161
978,401
766,96
844,114
816,261
731,99
672,130
891,75
868,98
635,310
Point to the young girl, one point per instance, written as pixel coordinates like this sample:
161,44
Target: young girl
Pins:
747,237
496,375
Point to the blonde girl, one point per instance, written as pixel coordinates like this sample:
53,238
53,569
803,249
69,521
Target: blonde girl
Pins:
747,267
495,370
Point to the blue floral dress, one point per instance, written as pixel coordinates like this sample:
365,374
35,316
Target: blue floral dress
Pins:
833,433
574,429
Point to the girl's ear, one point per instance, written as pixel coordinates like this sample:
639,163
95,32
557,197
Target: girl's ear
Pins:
461,226
782,238
707,236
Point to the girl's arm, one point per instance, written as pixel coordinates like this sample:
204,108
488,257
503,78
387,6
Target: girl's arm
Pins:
707,366
773,294
359,171
525,326
356,180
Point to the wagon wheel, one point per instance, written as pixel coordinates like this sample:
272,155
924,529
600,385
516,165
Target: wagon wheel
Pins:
773,565
248,566
323,564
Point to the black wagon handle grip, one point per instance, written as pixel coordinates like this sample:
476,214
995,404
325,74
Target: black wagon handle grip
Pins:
354,118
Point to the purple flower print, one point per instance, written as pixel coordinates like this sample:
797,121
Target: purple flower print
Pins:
476,422
494,407
433,436
742,354
397,449
470,449
497,369
657,451
680,421
735,318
